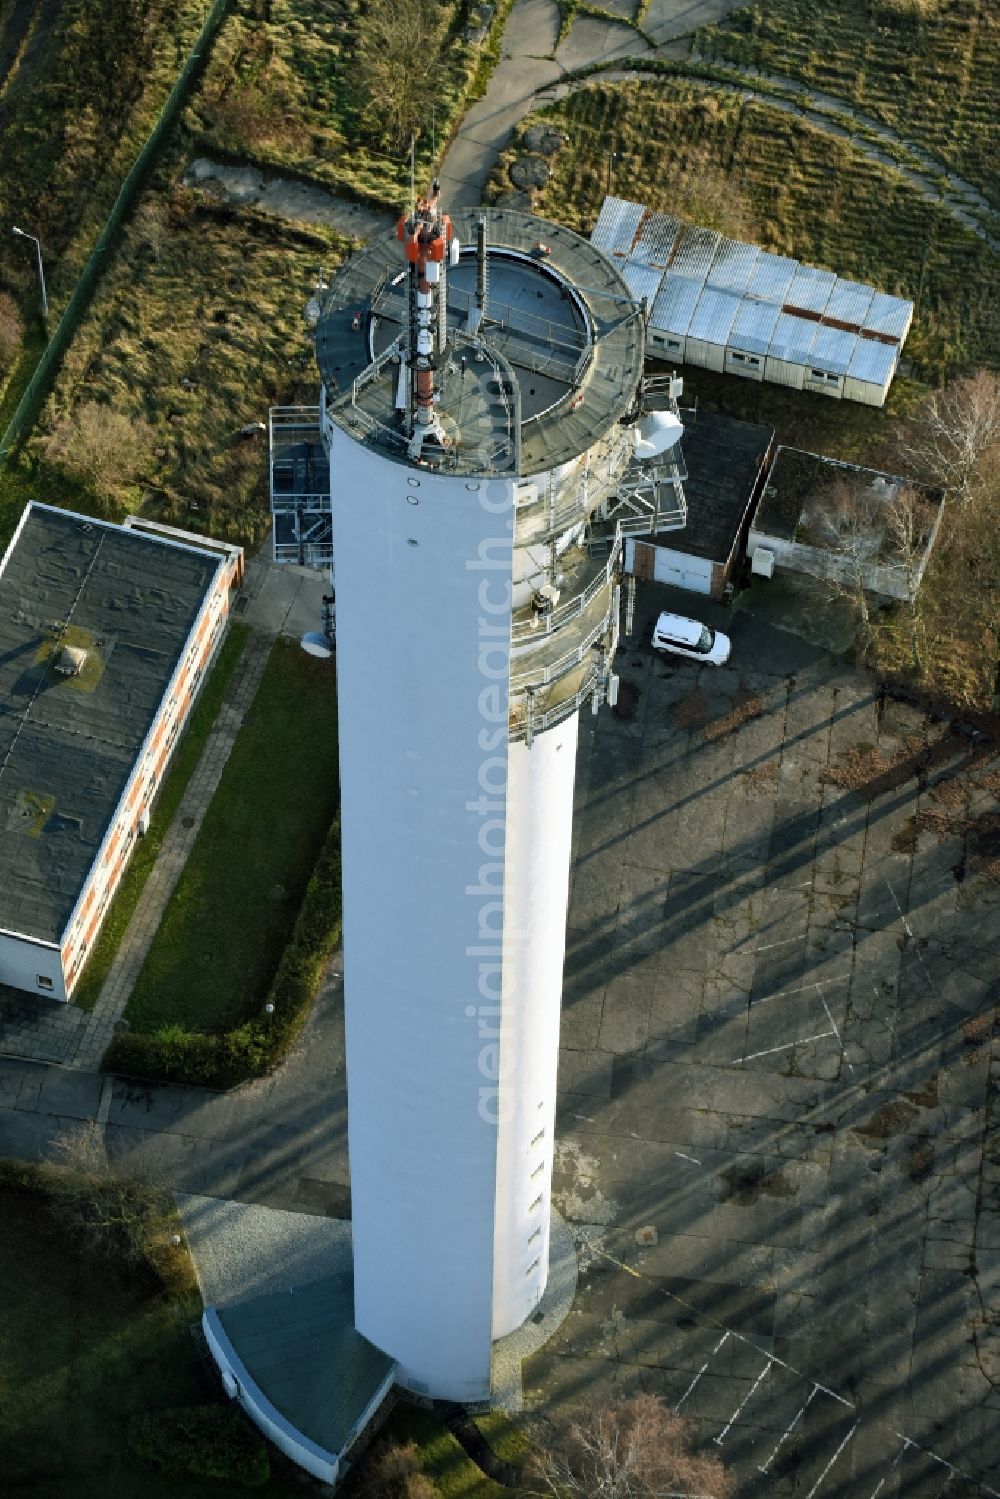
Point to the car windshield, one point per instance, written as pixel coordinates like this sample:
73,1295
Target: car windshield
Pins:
706,639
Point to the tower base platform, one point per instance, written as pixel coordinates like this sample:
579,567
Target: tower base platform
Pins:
279,1321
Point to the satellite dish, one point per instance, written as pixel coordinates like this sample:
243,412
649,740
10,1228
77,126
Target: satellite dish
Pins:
315,644
656,433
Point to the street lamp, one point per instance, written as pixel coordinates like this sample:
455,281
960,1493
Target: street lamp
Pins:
612,158
41,273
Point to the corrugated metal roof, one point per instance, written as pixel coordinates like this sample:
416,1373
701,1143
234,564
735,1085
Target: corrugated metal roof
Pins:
872,361
771,277
656,240
675,303
753,327
733,265
810,288
714,314
792,338
695,252
641,280
832,350
616,226
849,301
890,315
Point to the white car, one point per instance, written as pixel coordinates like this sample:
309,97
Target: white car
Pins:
688,637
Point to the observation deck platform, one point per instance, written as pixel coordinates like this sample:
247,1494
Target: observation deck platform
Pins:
555,363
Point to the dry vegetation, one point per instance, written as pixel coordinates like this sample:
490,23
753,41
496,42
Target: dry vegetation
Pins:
84,87
324,89
195,330
755,171
930,69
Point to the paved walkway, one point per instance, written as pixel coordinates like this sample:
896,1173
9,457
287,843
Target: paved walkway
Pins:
173,855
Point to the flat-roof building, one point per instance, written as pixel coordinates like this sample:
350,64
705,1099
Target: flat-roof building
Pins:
726,305
105,633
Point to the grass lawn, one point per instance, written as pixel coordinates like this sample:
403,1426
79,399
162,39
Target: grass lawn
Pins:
810,194
83,1346
185,758
234,907
443,1459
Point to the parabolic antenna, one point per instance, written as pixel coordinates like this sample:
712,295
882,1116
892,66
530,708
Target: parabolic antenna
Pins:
315,644
656,432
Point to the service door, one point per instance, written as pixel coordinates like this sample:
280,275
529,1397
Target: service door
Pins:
682,571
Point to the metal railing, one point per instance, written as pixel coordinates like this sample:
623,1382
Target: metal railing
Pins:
544,625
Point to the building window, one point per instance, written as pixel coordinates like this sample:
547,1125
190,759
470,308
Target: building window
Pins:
43,981
739,358
658,338
532,1267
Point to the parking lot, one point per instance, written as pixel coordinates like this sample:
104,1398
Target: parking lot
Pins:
778,1068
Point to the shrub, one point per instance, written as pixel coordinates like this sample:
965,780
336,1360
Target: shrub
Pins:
173,1054
11,329
203,1441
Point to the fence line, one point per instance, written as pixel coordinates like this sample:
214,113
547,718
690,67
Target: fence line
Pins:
31,399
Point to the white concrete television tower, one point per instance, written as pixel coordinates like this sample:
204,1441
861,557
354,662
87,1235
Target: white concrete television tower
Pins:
482,380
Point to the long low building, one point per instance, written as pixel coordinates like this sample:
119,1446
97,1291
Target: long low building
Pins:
105,635
730,306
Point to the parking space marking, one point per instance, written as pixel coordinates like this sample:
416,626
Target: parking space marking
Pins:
786,1046
736,1413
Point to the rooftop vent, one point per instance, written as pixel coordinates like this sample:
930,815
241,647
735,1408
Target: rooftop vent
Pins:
70,661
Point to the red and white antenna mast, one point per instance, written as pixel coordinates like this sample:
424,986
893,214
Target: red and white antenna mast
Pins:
429,245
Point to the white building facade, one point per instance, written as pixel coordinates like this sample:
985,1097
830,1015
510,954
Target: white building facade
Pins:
482,383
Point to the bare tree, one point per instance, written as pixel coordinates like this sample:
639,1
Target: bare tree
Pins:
848,519
634,1448
954,438
11,329
104,448
112,1211
909,523
398,46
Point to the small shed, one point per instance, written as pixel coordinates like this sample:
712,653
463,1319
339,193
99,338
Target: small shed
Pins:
726,462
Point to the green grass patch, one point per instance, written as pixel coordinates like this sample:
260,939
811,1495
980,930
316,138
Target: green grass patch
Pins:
443,1459
507,1440
234,907
931,71
84,1346
807,193
185,758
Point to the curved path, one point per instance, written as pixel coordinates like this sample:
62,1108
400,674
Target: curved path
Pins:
538,69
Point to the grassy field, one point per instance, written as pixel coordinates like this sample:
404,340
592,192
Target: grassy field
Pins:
810,194
182,766
286,88
930,70
231,913
197,328
80,87
83,1346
